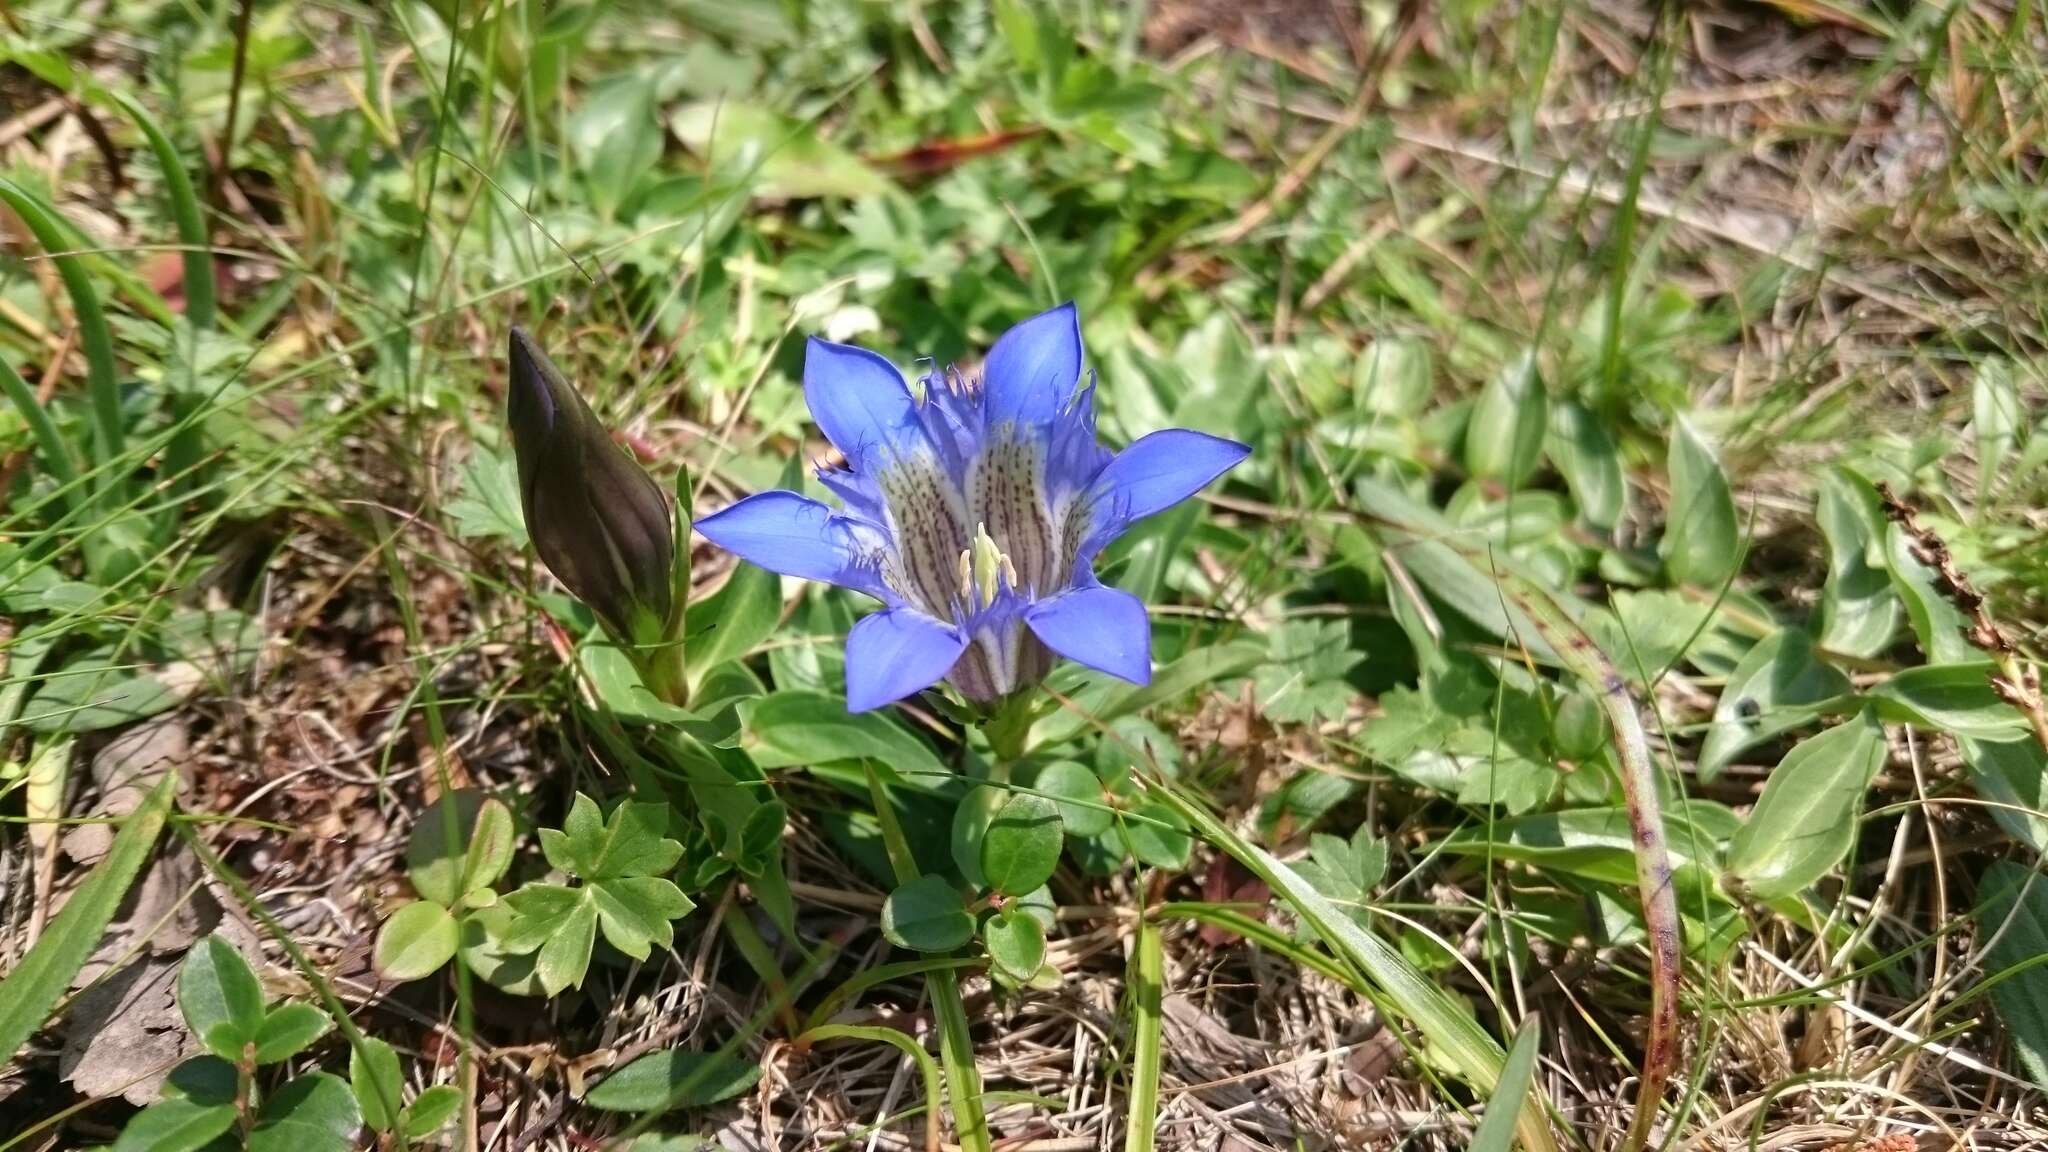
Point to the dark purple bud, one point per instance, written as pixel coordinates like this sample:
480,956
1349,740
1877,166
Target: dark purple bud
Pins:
599,522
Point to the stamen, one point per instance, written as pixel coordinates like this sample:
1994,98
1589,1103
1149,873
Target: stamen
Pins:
966,573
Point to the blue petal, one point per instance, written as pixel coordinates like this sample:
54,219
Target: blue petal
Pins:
796,536
1156,472
1033,368
892,654
1104,628
861,402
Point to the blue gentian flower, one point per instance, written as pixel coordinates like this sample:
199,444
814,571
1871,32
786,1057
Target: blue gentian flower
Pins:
974,512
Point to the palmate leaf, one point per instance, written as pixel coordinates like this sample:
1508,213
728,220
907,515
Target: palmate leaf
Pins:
561,923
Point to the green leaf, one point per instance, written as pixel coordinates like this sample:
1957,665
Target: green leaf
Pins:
1156,836
312,1113
1496,1131
1504,440
628,843
377,1080
415,942
1392,377
1805,821
558,923
175,1125
1648,632
1346,871
99,689
2014,775
926,915
2013,917
1702,542
450,856
431,1111
32,988
1996,417
731,622
1304,682
794,729
1022,845
1954,698
778,158
1079,795
287,1030
1765,696
971,819
675,1078
1016,942
220,997
486,503
616,136
1586,457
1939,627
484,952
1859,611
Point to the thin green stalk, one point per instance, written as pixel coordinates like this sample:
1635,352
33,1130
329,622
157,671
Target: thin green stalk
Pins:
95,339
956,1044
1148,984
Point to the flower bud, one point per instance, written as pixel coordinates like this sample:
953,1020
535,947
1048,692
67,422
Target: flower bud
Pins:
599,522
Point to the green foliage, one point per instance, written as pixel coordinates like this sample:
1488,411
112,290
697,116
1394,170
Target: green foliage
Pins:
208,1097
926,915
675,1078
1304,681
1702,542
1805,821
620,860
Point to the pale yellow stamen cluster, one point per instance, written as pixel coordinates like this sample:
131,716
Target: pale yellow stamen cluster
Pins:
983,569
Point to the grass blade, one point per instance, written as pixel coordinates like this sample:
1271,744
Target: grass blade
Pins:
185,212
1148,990
94,337
50,445
29,992
1496,1131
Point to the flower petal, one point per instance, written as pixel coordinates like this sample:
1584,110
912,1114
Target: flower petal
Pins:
891,654
1033,368
1104,628
862,403
1164,468
797,536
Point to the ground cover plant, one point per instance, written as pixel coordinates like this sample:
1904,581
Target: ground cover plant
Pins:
602,574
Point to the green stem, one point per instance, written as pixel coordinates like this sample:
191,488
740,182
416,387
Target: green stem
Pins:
759,957
956,1044
50,443
95,339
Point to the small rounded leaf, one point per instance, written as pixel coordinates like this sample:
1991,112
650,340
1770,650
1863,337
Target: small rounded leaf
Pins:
379,1084
220,997
1157,836
287,1030
460,844
1078,792
970,824
926,915
416,941
1022,846
485,952
1504,441
313,1113
175,1125
431,1111
1016,942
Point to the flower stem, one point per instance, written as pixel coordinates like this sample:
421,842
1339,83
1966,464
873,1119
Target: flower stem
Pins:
956,1044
